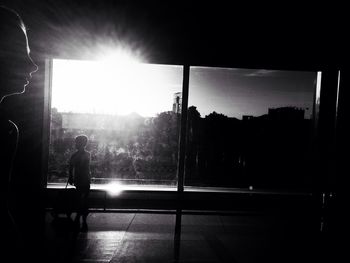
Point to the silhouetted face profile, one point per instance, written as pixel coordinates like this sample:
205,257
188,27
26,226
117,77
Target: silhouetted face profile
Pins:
16,65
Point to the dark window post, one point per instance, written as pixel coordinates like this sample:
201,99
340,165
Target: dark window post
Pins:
183,127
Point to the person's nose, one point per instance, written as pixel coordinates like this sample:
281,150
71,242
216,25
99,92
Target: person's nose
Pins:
32,67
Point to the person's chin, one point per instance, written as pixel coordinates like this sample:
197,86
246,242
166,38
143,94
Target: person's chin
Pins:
23,88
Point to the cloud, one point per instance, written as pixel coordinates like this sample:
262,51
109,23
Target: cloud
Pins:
261,73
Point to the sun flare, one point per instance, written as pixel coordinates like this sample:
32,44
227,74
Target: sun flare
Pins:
114,85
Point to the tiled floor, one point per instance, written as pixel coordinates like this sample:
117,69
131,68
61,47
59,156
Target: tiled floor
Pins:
144,237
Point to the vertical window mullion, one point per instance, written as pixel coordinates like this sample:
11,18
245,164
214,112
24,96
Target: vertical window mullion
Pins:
46,120
183,128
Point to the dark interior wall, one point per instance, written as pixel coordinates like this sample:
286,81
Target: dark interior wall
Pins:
198,33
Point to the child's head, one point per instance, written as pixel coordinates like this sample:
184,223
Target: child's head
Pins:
81,141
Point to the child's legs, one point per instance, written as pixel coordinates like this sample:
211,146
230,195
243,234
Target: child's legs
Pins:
83,208
85,205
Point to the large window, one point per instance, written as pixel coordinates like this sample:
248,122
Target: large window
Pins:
245,127
250,128
130,113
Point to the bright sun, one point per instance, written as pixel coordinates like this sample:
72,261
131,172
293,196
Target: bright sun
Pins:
114,86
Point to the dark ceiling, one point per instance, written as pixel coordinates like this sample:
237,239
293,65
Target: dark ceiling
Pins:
180,32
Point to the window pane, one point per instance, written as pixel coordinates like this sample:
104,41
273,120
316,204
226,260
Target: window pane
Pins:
250,128
130,114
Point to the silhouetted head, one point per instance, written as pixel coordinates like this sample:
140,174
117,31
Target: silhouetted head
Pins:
81,141
16,65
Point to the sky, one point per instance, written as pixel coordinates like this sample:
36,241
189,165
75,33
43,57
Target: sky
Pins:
238,92
108,88
148,89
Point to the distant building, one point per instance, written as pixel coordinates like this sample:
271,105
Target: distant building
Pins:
286,113
62,122
56,130
177,102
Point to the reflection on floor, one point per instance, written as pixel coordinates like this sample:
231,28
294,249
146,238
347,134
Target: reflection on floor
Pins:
144,237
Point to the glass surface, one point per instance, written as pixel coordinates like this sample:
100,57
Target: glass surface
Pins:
130,113
250,128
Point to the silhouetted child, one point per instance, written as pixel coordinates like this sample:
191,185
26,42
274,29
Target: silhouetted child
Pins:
79,175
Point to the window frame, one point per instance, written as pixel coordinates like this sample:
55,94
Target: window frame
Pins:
320,94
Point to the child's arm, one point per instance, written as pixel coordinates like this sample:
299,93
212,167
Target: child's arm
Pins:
71,168
89,161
